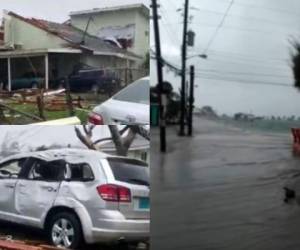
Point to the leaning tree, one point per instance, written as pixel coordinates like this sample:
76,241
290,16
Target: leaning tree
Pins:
122,138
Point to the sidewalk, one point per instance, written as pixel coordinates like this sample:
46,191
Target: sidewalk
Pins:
222,189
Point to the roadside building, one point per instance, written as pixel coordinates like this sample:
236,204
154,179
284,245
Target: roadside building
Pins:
52,50
126,26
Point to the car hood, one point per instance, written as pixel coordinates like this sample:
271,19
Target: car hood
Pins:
120,112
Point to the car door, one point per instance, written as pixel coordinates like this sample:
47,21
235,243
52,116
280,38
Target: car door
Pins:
9,174
36,193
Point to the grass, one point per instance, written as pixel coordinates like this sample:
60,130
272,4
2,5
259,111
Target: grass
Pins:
50,115
90,100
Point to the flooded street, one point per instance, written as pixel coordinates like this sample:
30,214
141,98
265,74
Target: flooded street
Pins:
222,189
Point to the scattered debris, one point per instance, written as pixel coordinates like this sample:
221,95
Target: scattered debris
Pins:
52,101
7,243
65,121
33,117
289,194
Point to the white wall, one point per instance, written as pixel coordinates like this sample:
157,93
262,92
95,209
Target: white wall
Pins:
118,18
142,42
30,37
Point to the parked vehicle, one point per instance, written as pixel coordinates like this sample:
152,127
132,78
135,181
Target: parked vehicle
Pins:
28,80
129,106
77,196
95,80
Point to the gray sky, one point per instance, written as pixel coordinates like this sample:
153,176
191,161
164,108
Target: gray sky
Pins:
252,46
58,10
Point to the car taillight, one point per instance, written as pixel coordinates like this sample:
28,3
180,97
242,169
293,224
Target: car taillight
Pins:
111,192
96,119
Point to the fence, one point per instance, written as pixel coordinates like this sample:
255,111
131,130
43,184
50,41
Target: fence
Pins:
128,75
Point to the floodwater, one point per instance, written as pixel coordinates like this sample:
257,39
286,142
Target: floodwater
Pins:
223,189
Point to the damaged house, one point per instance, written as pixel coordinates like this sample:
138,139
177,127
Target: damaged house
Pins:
52,51
126,26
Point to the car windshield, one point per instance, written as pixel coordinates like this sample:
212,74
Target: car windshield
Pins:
137,92
130,171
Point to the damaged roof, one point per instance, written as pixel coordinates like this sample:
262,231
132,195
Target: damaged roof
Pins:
68,154
75,37
56,154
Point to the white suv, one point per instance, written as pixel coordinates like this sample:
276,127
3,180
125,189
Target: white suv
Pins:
77,196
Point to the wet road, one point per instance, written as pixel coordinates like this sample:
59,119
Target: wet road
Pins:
222,189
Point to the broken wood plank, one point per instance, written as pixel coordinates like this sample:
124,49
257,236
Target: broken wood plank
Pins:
55,92
65,121
12,245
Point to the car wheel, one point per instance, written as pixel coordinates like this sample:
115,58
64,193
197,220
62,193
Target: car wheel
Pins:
95,88
65,231
34,85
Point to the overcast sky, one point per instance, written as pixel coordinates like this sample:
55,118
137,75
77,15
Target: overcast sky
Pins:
250,50
58,10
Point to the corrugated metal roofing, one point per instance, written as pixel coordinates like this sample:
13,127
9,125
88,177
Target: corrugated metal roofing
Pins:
75,36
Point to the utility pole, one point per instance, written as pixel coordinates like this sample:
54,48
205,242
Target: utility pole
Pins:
161,94
191,100
184,48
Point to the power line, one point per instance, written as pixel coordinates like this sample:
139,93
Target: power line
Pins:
248,64
257,80
171,3
244,61
243,73
246,56
242,81
165,15
169,34
218,27
177,70
248,60
252,30
278,10
244,17
230,27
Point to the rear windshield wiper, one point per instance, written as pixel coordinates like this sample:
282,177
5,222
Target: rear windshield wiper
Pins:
138,181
